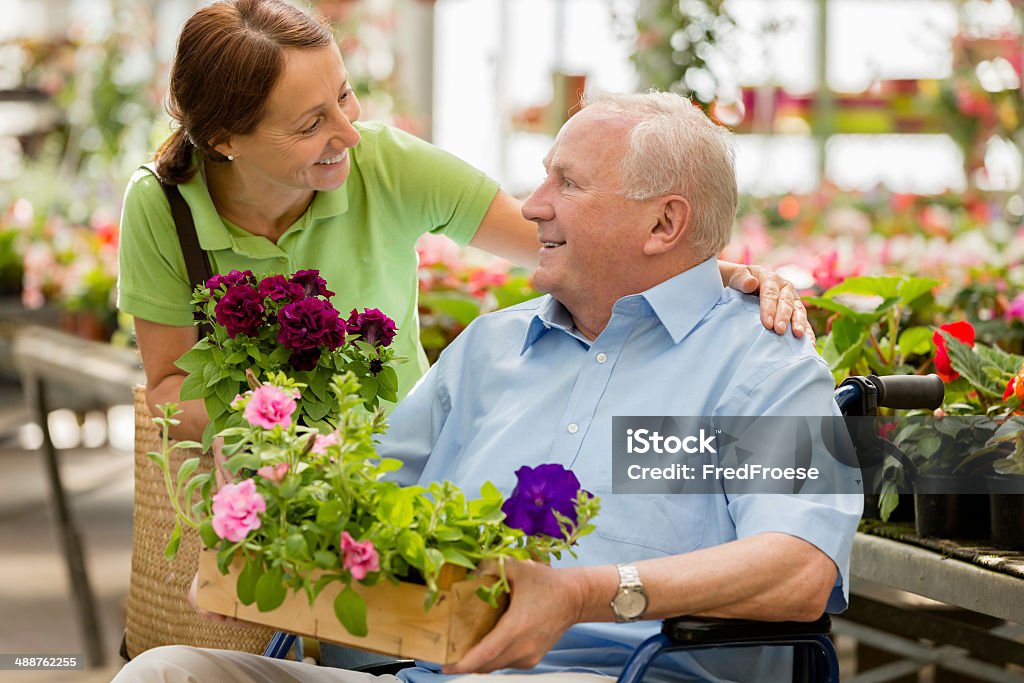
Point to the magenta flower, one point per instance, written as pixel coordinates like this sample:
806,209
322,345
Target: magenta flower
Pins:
310,324
236,510
539,492
1016,309
278,288
235,277
269,407
240,311
372,325
311,281
274,473
359,557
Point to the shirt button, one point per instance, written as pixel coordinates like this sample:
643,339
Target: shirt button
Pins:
601,357
573,428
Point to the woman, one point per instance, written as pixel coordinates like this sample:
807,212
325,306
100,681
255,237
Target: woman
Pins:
279,177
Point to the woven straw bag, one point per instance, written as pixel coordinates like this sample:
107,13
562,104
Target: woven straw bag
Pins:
158,611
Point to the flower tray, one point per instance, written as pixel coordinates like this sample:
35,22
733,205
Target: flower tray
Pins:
396,622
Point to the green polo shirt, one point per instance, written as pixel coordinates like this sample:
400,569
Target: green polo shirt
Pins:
361,236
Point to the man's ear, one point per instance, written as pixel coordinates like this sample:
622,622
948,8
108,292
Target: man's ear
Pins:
673,220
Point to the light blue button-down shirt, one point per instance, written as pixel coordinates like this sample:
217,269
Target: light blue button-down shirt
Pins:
522,387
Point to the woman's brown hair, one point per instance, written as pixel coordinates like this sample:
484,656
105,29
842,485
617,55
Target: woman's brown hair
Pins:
228,59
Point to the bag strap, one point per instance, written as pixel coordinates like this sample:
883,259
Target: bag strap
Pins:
197,262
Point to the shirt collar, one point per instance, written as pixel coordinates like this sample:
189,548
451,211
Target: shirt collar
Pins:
682,301
215,235
679,303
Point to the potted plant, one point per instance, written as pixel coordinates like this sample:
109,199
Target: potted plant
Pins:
866,335
284,324
984,386
316,514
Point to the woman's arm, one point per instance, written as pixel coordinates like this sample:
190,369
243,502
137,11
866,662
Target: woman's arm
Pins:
505,233
161,345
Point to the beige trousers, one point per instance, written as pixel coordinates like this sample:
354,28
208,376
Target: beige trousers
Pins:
181,664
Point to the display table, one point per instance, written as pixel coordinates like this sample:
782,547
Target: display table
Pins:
59,370
984,580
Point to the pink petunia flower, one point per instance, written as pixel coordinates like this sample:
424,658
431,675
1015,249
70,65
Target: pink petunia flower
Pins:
236,510
269,407
274,473
323,441
359,557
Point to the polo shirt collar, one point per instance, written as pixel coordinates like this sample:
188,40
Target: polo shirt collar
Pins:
215,235
679,303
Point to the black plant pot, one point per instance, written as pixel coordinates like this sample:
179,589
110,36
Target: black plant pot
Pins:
948,515
1006,501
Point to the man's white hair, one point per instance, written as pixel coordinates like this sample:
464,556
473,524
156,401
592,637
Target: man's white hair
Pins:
676,149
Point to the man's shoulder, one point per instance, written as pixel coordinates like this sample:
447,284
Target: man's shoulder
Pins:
737,318
508,320
496,332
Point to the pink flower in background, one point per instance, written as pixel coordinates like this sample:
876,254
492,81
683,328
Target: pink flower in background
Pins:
437,250
1016,309
236,510
359,557
269,407
828,274
323,441
482,279
274,473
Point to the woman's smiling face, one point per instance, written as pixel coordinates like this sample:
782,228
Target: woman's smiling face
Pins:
303,140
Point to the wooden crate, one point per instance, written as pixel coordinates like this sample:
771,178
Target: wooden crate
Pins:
395,618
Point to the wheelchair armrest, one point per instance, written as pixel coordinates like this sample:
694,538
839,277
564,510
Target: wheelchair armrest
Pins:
386,668
708,631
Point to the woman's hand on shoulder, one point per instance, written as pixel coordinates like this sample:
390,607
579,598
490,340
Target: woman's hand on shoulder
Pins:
780,302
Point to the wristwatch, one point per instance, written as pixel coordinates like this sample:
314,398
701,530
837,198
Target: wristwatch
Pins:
630,602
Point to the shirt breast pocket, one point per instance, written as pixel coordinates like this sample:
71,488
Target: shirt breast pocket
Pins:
655,525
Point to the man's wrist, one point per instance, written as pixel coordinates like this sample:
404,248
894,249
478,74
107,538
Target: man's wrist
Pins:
597,588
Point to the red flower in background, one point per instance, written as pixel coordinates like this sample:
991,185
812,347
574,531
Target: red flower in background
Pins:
962,331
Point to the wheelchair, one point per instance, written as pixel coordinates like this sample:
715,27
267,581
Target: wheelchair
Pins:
814,655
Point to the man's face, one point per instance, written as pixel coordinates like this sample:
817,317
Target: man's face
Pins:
591,235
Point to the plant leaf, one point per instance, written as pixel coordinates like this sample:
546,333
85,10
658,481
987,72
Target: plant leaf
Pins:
247,581
350,608
915,341
193,387
172,545
270,590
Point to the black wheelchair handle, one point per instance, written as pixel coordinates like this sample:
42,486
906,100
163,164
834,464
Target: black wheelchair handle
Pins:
909,391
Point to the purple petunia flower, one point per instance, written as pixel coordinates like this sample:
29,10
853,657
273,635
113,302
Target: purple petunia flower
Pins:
539,491
235,277
312,283
304,359
240,311
278,288
372,325
310,324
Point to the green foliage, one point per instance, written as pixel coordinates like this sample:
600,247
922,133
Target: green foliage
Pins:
675,40
865,335
339,485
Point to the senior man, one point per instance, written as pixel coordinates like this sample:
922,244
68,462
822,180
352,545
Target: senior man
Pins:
639,198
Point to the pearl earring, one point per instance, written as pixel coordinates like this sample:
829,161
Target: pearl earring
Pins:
231,157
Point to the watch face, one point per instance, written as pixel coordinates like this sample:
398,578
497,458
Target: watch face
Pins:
630,604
